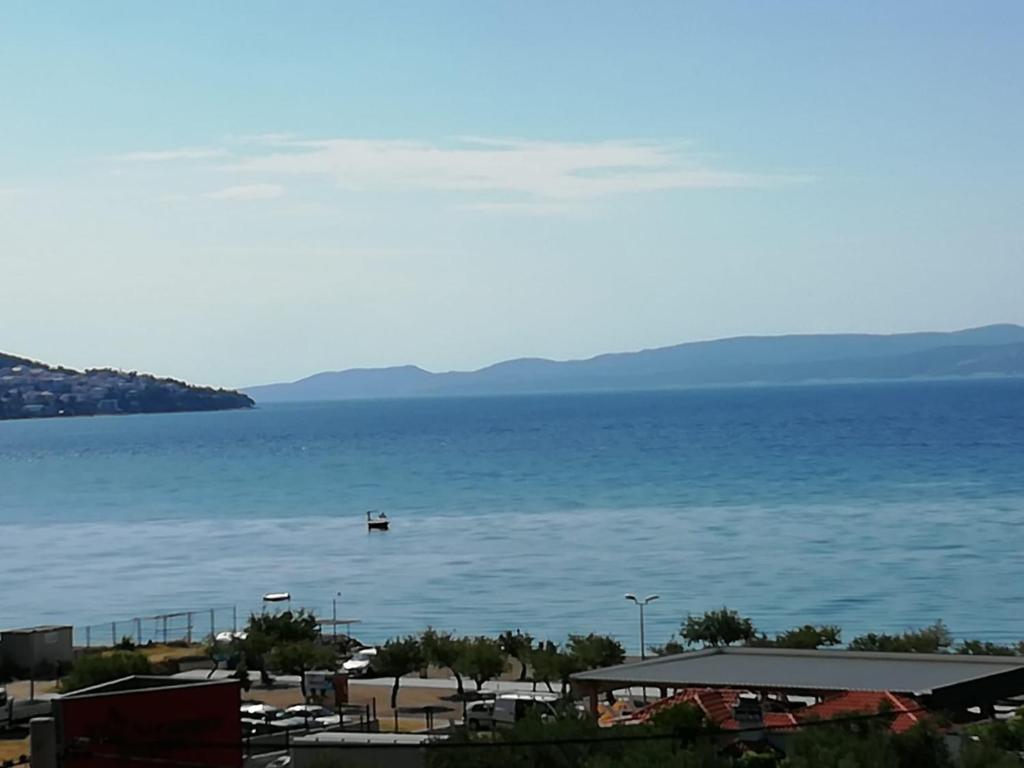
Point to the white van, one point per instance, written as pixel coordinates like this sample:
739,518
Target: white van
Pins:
509,708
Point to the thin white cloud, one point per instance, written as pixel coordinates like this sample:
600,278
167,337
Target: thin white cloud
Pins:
247,192
170,155
534,170
539,208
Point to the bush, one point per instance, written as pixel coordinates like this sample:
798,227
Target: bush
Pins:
102,668
933,639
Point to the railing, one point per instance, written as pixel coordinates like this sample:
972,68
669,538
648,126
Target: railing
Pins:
189,626
176,626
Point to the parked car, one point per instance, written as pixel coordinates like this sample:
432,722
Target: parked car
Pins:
255,710
253,727
23,710
359,664
289,724
509,708
314,715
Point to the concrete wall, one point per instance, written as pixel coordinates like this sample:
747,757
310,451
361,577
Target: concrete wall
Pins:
40,649
359,750
381,756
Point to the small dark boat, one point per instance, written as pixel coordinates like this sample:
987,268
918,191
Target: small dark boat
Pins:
378,523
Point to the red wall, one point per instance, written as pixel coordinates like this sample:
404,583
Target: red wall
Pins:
194,724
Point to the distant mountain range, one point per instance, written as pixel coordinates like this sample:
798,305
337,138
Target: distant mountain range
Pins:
994,350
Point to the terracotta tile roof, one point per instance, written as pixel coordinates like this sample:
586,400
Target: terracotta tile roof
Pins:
717,705
906,712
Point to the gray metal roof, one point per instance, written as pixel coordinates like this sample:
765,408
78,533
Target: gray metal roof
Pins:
784,669
35,630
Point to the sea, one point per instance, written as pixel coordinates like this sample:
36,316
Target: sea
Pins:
877,507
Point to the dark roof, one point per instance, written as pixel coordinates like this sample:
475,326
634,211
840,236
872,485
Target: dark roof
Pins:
775,669
144,682
35,630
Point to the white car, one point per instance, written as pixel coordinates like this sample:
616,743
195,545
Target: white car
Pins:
508,709
258,711
359,664
314,715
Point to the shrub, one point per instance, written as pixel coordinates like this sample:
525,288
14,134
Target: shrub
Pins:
94,669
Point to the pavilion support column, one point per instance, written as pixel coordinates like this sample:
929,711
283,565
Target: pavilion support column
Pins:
592,695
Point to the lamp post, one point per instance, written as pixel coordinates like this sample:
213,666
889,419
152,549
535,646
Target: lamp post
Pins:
334,615
641,603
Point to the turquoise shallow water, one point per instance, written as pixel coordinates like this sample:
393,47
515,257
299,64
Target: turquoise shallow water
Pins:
871,506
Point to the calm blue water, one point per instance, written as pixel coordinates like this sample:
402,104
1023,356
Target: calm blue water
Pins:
871,506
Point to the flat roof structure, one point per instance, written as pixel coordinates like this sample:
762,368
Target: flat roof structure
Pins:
35,630
942,679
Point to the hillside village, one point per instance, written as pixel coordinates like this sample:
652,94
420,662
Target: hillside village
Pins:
33,390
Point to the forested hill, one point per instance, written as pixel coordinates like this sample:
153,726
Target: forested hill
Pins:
29,389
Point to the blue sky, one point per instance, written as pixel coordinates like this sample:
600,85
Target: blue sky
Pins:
245,192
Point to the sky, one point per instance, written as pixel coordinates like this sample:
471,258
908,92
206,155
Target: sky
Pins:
237,193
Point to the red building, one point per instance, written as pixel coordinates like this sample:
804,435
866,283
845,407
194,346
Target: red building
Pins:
139,719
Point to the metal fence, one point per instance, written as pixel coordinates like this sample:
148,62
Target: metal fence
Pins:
192,626
178,626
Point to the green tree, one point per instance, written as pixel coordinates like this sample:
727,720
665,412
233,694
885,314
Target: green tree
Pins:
444,650
717,628
808,637
935,638
544,663
984,755
284,627
517,645
592,652
95,668
481,659
670,648
241,674
218,652
398,657
266,631
866,744
595,651
1006,735
984,648
574,742
921,747
860,745
297,658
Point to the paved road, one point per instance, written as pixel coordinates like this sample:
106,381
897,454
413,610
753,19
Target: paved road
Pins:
443,683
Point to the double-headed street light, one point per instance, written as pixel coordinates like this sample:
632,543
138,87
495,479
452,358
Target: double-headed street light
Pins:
641,603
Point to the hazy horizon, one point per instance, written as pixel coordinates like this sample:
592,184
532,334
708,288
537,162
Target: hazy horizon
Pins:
246,193
414,364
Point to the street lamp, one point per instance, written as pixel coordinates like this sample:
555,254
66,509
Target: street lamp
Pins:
641,603
334,615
